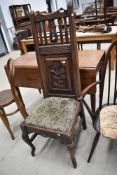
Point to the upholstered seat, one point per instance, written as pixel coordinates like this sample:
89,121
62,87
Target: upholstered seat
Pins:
54,113
108,121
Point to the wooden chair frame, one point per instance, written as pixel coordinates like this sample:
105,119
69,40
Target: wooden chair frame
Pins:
59,57
95,116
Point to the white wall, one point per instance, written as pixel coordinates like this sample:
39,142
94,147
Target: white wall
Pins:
61,3
57,4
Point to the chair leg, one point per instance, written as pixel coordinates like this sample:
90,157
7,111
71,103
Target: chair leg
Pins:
39,91
26,139
97,136
6,123
82,115
71,150
93,102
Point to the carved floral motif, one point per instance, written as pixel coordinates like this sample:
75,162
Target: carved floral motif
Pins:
58,75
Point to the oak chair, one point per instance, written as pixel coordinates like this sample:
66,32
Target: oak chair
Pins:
104,119
60,113
8,97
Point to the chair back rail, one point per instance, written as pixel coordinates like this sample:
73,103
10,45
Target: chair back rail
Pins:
56,50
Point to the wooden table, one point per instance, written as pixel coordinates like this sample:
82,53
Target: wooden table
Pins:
27,74
88,37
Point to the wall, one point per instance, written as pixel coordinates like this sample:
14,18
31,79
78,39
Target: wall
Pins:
57,4
5,31
61,3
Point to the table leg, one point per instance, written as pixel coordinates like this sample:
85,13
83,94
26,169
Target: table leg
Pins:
19,101
80,46
92,97
39,91
24,47
98,46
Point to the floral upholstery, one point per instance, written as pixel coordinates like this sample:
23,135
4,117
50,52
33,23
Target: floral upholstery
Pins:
108,121
54,113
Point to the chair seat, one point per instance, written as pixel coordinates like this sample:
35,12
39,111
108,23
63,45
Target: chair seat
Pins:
54,113
6,98
108,121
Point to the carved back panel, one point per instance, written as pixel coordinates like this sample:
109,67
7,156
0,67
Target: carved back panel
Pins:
56,50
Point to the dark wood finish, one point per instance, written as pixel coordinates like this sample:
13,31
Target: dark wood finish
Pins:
6,99
27,74
109,3
110,94
59,72
22,34
21,21
20,15
48,2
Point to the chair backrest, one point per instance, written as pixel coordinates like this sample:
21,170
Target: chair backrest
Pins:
56,50
110,85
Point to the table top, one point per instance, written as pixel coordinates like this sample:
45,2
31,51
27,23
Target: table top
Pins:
92,34
80,35
88,59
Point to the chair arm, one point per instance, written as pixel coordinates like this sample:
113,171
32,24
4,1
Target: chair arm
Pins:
82,95
86,90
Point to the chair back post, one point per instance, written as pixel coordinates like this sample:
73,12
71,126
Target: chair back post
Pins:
75,49
111,75
56,52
